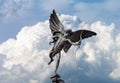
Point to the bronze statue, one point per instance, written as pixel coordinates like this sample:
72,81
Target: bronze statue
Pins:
64,39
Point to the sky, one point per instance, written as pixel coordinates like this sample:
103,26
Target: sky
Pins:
15,14
24,27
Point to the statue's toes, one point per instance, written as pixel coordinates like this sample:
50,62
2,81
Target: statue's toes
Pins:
49,63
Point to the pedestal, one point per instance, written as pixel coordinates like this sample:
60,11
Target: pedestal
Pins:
56,79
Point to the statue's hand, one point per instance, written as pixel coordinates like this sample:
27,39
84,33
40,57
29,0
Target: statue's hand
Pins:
51,42
77,43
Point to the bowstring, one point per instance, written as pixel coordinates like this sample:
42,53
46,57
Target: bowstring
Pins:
79,43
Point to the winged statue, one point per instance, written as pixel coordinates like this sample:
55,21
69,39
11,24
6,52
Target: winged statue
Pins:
64,39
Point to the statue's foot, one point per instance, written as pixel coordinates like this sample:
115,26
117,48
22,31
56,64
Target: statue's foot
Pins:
55,76
50,61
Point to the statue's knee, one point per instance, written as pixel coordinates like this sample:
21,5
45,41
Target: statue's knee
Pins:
52,54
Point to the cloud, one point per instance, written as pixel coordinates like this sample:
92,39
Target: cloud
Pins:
25,58
14,14
13,7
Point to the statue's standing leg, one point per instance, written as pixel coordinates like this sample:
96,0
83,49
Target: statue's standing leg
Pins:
58,61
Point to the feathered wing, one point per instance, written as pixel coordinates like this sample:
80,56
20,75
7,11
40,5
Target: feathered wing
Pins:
55,24
57,27
76,36
81,34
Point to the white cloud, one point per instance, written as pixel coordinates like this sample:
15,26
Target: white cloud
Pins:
13,7
26,56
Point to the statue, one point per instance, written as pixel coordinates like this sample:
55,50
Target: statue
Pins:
64,39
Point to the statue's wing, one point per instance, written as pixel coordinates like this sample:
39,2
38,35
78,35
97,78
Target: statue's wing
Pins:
81,34
76,36
55,24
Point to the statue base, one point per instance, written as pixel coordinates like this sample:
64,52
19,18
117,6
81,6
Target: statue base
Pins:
56,79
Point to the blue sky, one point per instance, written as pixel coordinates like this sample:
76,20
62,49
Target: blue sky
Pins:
15,14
